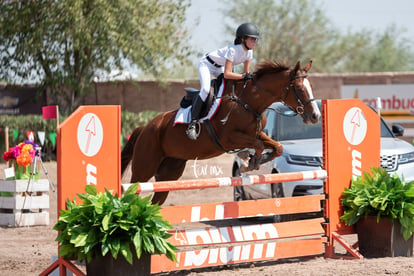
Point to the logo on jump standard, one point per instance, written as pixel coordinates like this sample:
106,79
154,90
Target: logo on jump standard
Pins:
355,130
90,138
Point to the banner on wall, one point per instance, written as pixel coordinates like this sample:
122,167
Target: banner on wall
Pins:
20,101
394,97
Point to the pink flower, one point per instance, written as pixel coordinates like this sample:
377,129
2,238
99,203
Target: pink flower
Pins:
23,153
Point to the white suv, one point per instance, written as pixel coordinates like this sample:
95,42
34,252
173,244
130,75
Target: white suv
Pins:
302,151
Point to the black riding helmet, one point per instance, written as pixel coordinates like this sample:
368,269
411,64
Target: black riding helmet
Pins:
245,30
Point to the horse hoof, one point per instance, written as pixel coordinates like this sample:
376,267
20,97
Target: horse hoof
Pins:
279,150
254,163
244,166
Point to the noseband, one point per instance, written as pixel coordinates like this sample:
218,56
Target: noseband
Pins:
300,108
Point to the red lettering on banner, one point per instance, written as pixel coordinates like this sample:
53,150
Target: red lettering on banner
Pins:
393,103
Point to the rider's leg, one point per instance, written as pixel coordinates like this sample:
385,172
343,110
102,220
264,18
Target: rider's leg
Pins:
195,116
205,79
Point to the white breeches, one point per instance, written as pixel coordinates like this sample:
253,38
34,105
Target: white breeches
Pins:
205,71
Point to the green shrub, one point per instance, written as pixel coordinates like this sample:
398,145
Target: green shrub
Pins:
106,224
380,195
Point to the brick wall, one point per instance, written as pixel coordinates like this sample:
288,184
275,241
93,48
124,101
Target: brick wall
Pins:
150,95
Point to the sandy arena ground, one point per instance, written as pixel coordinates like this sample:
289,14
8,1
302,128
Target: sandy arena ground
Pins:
29,250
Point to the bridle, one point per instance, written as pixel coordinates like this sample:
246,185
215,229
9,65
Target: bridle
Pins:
300,108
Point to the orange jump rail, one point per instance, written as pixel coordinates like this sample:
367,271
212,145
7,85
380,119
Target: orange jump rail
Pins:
163,186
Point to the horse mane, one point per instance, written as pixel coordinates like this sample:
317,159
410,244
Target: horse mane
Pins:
267,67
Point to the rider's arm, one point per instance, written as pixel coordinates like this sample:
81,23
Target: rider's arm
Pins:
228,74
246,66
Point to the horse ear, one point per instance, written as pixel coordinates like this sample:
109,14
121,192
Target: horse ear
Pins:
308,66
297,66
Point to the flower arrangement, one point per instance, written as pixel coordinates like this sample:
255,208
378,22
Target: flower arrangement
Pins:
23,153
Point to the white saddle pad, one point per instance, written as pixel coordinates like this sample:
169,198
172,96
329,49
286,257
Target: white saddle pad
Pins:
184,114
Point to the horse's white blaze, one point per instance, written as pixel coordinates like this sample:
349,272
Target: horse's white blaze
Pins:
306,83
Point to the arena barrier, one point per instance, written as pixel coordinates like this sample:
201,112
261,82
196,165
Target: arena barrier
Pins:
351,144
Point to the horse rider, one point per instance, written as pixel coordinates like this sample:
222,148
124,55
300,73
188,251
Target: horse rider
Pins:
221,61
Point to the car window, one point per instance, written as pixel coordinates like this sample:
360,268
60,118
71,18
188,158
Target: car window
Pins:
293,128
385,130
281,127
270,124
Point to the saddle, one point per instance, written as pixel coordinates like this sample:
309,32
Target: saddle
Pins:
191,94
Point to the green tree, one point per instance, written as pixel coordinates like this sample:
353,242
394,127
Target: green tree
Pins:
64,45
378,52
299,30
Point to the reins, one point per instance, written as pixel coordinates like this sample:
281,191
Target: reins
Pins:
300,108
235,99
223,121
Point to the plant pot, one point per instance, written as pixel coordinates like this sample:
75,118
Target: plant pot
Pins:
382,239
24,173
108,266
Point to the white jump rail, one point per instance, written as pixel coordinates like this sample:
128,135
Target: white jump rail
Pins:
162,186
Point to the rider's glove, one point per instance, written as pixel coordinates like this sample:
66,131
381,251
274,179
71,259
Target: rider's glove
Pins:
247,76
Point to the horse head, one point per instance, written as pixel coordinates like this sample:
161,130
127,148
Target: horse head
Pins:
299,95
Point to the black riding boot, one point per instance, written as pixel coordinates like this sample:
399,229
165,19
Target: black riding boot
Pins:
195,115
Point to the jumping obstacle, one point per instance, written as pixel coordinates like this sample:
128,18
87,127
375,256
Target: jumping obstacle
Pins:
351,133
230,244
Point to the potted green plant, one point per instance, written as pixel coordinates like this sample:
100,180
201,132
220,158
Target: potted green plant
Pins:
115,235
385,203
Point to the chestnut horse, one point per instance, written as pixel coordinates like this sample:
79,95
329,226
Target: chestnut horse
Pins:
161,149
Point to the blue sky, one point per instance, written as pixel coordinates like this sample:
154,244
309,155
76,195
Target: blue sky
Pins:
345,14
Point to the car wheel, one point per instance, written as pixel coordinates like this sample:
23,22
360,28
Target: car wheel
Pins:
238,191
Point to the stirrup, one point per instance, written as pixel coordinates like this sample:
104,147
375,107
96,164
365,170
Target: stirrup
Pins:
192,132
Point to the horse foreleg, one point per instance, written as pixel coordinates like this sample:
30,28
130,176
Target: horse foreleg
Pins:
242,140
255,161
263,141
276,147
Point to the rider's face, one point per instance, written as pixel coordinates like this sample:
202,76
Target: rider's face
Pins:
250,42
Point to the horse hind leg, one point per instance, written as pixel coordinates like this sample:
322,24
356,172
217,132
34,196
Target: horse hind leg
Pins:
147,156
170,169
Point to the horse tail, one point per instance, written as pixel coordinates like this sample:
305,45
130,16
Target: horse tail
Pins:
128,150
